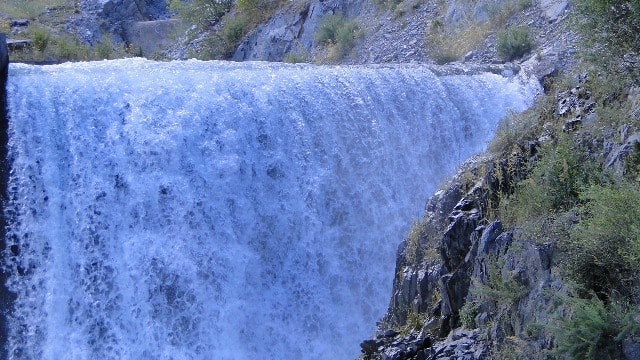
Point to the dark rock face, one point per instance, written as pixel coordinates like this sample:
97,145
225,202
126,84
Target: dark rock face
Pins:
6,297
120,10
474,254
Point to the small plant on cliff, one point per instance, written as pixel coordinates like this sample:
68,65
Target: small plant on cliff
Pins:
604,248
337,32
514,43
41,39
610,28
595,330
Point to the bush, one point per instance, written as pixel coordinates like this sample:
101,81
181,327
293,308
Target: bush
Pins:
233,31
609,27
335,30
40,39
448,45
595,330
604,248
553,186
296,57
104,49
68,49
514,43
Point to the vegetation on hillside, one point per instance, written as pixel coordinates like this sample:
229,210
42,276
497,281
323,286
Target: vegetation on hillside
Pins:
47,40
581,190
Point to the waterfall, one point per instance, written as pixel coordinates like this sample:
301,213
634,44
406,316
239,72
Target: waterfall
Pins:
213,210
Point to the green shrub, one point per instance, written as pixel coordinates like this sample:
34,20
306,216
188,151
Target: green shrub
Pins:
604,248
608,27
498,290
514,43
296,57
104,49
595,330
234,30
468,314
552,187
335,31
68,49
41,39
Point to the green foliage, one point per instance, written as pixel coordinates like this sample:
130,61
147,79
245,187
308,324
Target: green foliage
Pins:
234,30
29,9
415,320
468,314
202,13
104,49
514,43
595,330
68,49
553,186
633,163
41,39
335,30
446,45
609,27
296,57
502,290
604,248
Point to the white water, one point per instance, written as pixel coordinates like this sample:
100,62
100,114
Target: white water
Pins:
194,210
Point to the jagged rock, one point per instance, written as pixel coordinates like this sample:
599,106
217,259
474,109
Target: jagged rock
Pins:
572,124
553,9
456,240
288,31
370,347
137,10
14,45
488,243
617,155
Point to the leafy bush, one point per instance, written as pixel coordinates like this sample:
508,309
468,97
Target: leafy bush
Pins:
609,27
296,57
447,45
41,39
233,31
104,49
553,186
595,330
604,248
68,49
514,43
468,313
335,30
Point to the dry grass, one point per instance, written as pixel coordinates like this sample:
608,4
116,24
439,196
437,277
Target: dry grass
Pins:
30,9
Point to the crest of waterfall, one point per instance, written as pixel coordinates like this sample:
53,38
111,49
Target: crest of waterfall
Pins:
212,210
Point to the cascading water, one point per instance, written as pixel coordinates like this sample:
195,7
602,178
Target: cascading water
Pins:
194,210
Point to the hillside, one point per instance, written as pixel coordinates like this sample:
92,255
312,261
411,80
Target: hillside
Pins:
531,251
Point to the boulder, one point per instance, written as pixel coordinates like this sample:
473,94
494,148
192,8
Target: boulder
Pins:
153,36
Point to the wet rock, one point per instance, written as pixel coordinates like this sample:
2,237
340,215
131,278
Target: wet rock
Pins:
370,347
